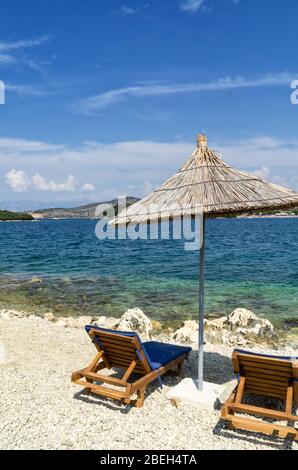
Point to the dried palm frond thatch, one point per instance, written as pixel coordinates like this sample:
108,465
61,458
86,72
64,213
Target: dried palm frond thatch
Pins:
206,185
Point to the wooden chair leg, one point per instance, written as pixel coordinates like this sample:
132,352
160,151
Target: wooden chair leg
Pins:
240,390
141,397
225,410
88,390
126,401
289,400
179,369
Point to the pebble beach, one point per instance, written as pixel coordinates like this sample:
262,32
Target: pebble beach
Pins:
41,409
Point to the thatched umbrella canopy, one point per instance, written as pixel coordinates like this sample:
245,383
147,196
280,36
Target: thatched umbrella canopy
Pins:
206,185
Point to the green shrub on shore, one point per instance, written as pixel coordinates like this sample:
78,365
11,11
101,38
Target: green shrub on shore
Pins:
7,215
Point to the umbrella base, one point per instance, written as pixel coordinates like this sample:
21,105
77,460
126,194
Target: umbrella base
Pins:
187,392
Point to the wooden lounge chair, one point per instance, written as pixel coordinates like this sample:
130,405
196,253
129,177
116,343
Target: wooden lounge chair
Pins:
126,351
271,376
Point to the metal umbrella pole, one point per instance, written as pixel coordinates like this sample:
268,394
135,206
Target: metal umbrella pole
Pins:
201,307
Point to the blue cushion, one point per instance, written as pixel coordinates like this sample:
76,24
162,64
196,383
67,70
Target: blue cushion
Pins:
161,354
157,354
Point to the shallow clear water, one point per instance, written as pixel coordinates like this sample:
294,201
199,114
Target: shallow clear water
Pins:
251,263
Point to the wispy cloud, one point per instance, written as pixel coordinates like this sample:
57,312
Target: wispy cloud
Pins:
11,52
42,89
125,10
20,146
24,44
27,90
104,100
192,6
6,59
128,11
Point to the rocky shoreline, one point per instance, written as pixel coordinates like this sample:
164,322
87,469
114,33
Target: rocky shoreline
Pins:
239,329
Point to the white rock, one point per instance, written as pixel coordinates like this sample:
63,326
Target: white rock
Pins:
6,314
187,333
213,334
263,330
36,280
241,317
240,328
80,322
49,316
111,323
100,321
34,318
135,320
104,322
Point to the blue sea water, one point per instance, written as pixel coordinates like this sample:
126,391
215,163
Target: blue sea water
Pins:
251,263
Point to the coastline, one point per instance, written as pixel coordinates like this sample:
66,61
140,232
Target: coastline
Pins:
279,336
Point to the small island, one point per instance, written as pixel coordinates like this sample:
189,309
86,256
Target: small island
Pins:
8,216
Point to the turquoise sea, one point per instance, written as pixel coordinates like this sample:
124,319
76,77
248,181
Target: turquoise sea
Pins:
252,263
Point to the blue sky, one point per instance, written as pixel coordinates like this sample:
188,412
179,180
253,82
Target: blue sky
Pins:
106,97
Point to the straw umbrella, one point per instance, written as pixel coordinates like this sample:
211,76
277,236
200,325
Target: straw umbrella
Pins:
206,186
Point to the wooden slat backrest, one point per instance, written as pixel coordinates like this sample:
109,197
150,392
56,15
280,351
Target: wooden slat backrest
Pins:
121,350
264,375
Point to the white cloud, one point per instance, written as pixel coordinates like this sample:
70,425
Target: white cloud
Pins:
6,59
8,145
148,188
262,173
39,183
11,53
110,97
27,90
127,11
18,181
134,168
24,44
2,92
192,6
88,187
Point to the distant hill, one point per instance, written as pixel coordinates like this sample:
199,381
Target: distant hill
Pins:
7,215
88,211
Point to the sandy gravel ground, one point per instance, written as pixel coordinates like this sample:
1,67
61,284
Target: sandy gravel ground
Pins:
41,409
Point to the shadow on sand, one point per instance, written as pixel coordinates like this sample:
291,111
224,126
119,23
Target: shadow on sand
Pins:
222,429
